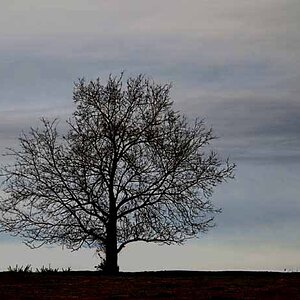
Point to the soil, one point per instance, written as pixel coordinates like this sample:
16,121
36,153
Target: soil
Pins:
150,285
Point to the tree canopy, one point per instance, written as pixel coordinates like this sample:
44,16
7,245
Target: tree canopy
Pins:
129,169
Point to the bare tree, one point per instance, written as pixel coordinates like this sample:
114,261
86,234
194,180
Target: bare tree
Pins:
130,169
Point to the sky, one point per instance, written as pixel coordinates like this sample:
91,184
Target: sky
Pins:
235,63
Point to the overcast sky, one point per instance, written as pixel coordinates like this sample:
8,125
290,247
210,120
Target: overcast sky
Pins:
235,62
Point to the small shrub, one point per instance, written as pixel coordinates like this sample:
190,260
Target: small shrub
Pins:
49,269
20,269
66,270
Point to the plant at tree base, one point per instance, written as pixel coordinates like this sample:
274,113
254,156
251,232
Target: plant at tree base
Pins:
129,169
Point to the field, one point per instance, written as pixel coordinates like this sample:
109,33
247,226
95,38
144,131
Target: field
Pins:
150,285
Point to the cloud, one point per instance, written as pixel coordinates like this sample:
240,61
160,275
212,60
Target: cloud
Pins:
259,128
236,63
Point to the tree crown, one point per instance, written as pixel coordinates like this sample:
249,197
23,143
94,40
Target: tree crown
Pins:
129,167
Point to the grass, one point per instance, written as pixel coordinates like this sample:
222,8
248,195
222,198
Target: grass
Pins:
43,269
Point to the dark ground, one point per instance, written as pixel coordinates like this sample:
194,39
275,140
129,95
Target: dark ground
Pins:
150,285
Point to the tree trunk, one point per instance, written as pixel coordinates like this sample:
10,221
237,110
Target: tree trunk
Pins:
111,260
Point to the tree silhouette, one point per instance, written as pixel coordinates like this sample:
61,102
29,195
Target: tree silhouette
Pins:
129,169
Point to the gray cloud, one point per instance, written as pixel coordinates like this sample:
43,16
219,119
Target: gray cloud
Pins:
259,129
236,63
